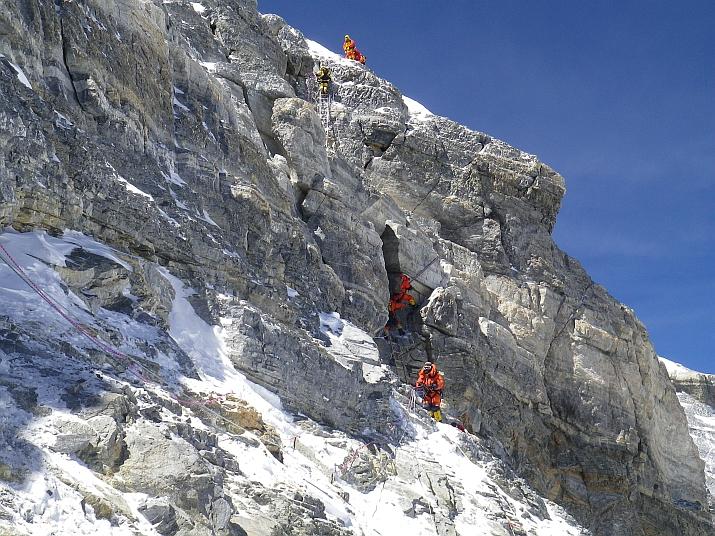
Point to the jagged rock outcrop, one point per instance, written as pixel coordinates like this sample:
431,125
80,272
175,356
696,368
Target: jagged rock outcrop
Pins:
183,136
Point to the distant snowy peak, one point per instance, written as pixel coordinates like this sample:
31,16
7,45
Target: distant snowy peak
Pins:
701,423
699,386
696,394
678,372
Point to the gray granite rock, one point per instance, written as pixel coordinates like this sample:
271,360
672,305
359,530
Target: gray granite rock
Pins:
186,139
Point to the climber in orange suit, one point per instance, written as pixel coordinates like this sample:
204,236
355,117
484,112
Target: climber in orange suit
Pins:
399,300
351,51
430,383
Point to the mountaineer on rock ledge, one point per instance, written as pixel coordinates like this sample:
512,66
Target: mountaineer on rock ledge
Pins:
398,301
429,385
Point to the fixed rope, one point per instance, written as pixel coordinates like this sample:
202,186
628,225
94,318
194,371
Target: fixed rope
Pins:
81,328
424,198
133,365
423,270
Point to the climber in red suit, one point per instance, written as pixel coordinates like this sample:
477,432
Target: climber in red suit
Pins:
399,300
430,384
351,51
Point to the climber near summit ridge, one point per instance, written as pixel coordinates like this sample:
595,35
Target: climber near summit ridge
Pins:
429,385
351,51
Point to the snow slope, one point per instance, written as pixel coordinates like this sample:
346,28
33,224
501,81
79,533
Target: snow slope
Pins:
321,52
410,496
416,109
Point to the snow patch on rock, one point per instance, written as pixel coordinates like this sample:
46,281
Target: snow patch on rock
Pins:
415,108
349,344
319,51
133,189
21,76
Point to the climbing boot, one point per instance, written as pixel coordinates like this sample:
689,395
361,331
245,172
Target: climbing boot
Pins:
437,415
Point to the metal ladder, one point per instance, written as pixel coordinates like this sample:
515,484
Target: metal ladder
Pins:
324,103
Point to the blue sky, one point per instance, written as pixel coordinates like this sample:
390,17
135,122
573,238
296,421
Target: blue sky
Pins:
619,97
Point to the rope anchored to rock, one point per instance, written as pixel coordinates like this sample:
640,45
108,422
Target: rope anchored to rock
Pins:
133,364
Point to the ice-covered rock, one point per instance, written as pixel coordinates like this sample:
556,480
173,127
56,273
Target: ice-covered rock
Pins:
233,254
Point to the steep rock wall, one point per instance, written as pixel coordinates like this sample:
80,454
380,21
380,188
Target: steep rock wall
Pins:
563,374
186,137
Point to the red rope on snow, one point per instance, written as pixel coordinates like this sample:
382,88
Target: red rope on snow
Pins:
15,266
142,370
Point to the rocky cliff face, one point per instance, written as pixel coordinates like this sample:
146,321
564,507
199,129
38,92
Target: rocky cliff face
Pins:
184,139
